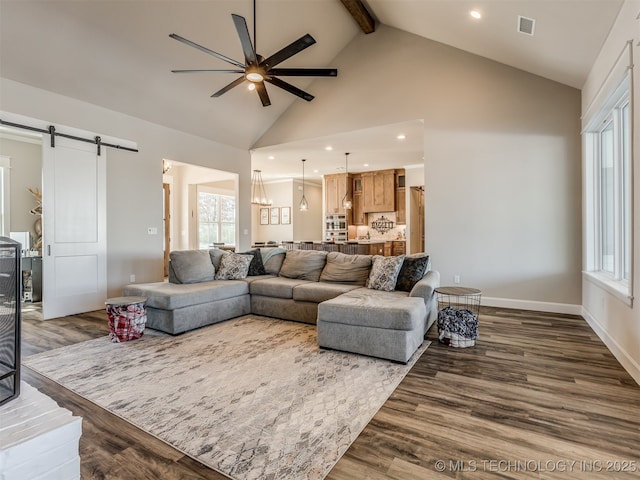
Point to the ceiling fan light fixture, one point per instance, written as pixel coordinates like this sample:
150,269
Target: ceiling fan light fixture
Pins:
254,76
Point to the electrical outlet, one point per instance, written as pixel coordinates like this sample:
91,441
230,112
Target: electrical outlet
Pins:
152,231
456,279
132,278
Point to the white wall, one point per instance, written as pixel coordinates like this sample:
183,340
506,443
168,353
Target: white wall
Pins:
26,172
617,324
304,225
134,180
502,160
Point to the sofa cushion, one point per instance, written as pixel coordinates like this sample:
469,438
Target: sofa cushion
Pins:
412,270
348,269
170,296
256,267
320,291
384,272
364,307
303,264
233,266
279,287
272,258
216,255
192,266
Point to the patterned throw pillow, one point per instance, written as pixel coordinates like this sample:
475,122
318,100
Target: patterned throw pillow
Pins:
412,271
233,266
256,267
384,272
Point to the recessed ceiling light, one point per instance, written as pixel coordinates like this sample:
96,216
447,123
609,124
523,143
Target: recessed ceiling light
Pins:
316,171
251,86
271,157
365,164
401,136
475,14
328,148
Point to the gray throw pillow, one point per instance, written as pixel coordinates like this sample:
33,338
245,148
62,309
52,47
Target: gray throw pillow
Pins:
216,255
349,269
233,266
413,269
303,264
384,272
272,258
192,266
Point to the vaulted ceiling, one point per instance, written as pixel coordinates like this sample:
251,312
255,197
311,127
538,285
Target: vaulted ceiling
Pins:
118,54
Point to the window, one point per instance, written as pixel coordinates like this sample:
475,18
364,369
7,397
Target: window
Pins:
216,219
608,156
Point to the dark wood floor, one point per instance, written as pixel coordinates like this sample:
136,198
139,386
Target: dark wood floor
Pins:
539,396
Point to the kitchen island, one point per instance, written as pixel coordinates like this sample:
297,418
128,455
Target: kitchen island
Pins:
353,247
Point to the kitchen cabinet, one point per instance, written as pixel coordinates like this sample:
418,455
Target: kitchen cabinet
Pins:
336,186
398,248
359,216
376,248
401,202
378,190
388,249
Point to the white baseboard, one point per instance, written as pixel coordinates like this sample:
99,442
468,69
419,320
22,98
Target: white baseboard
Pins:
532,305
628,363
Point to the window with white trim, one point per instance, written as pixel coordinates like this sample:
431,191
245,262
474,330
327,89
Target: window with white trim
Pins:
608,157
216,219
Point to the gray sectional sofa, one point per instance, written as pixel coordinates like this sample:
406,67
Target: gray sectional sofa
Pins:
371,305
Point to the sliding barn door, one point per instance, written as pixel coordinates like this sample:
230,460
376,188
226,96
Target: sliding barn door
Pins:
74,228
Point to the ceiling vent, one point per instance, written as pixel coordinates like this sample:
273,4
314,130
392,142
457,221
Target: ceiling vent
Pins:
526,25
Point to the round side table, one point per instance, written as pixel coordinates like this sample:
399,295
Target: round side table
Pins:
458,312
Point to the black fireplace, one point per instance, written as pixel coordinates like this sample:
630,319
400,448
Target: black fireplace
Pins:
10,297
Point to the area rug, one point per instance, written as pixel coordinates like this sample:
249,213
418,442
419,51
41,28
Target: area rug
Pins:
252,398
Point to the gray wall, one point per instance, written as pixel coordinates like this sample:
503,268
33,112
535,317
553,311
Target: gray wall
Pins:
502,160
134,180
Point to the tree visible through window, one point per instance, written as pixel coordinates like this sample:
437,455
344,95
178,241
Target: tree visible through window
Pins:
216,219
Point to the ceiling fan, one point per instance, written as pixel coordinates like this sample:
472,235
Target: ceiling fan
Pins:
257,69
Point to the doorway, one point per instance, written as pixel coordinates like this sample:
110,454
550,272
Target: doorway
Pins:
166,224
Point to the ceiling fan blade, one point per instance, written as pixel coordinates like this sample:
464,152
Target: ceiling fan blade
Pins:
245,39
235,83
288,51
206,50
207,71
262,92
304,72
290,88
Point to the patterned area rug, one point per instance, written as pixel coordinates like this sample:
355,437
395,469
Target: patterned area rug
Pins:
252,398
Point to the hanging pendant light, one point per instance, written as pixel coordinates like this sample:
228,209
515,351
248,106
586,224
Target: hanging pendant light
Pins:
258,193
347,203
304,205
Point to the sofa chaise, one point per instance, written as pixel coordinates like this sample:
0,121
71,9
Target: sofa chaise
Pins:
371,305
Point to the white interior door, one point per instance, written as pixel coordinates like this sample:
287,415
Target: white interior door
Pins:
74,228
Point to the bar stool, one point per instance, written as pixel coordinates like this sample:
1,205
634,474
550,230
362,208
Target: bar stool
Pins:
306,245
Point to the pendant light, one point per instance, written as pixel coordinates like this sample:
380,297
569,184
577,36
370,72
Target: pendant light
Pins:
304,205
258,193
347,203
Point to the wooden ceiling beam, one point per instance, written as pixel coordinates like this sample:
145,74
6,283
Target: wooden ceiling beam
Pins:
360,14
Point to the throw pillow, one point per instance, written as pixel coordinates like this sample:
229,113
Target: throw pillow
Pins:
233,266
303,264
413,269
192,266
349,269
256,267
384,272
272,258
